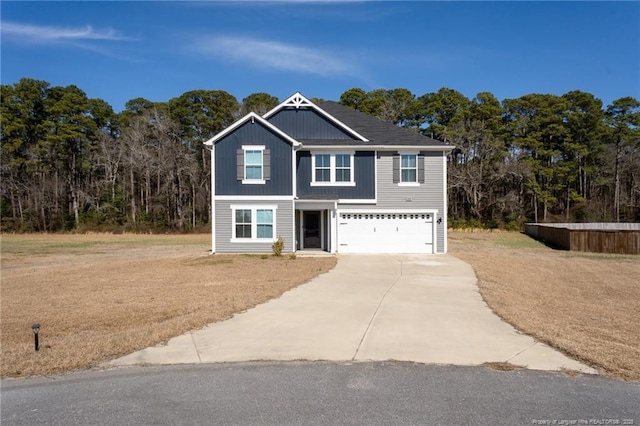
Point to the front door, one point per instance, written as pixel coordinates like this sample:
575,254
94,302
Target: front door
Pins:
311,229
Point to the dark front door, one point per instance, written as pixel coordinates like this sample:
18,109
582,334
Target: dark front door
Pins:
311,224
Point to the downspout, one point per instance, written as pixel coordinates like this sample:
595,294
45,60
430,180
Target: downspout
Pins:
334,228
445,200
213,202
294,193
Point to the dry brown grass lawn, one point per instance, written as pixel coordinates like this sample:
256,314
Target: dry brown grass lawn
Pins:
101,296
585,304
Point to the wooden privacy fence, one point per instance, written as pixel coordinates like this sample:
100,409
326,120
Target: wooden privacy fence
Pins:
620,238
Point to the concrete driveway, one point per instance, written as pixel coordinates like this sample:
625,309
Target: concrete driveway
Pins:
418,308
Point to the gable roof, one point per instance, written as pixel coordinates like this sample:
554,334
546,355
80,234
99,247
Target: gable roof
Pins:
253,117
297,100
377,131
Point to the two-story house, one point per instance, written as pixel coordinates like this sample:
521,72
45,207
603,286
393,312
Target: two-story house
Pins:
326,177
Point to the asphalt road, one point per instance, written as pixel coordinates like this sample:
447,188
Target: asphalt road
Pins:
319,393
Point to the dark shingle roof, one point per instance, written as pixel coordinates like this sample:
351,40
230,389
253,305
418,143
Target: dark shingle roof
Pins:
378,132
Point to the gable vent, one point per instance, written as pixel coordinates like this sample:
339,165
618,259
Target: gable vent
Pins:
297,101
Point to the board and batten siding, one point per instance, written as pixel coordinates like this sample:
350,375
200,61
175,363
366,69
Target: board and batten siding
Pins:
364,178
305,123
224,224
428,196
226,149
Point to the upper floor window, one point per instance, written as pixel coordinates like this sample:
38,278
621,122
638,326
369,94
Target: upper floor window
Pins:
409,168
343,168
323,168
332,169
253,164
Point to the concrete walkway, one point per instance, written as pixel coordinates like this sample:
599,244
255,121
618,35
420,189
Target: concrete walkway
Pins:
418,308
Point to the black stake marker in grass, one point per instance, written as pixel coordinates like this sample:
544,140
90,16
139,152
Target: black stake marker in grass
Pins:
36,328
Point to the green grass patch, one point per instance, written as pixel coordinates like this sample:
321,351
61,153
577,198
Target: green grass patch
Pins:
518,241
78,244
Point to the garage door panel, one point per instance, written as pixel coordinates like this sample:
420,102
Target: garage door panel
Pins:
385,233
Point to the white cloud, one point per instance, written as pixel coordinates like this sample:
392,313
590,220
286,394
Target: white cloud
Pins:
36,33
276,55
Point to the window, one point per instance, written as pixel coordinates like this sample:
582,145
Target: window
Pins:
243,223
253,164
253,223
323,168
343,168
332,169
408,168
265,223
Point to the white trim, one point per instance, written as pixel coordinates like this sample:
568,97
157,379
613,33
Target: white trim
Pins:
298,100
333,169
251,116
375,173
254,198
254,222
332,184
253,147
357,201
380,147
315,205
213,200
434,233
333,231
408,183
294,173
444,202
253,206
294,244
390,211
253,181
321,225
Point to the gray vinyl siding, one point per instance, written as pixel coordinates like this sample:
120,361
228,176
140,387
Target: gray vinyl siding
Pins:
279,182
305,123
429,195
364,178
224,224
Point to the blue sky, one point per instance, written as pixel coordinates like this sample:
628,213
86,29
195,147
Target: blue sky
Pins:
118,51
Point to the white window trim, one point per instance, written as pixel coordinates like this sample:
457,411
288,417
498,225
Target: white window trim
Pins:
254,222
332,168
246,148
417,169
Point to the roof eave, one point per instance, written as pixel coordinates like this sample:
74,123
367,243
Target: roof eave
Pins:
383,147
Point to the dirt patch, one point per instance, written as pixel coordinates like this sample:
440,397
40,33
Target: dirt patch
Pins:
503,366
584,304
98,297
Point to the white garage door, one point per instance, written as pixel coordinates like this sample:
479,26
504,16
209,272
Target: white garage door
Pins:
385,233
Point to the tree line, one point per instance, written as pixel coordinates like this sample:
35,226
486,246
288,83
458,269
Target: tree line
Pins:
69,162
